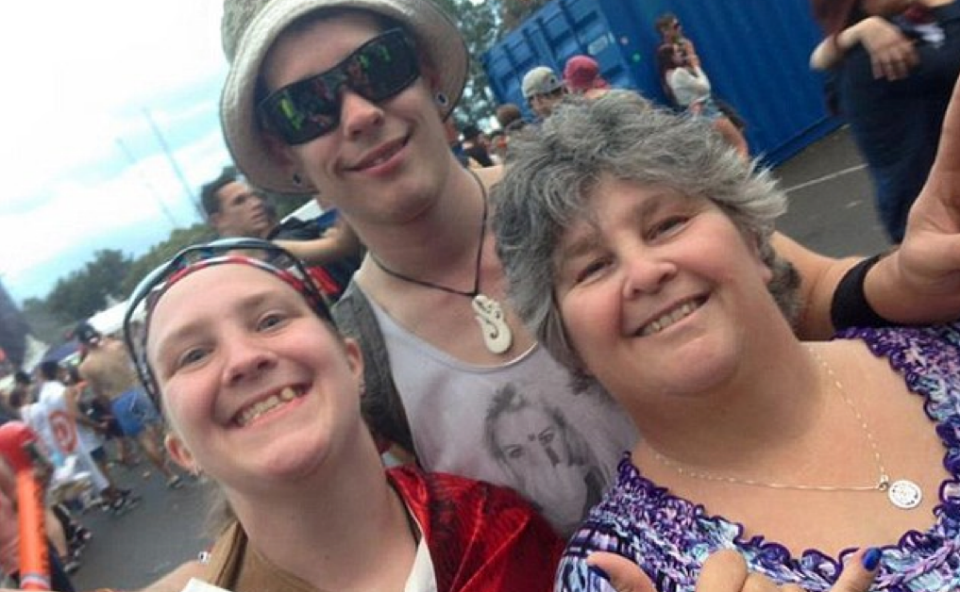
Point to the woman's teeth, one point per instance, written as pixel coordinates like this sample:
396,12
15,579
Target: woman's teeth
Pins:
670,318
259,408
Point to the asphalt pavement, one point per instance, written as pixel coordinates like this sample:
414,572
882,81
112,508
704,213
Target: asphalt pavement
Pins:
831,208
164,530
831,211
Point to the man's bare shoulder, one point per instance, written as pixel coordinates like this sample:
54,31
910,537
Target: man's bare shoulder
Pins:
89,365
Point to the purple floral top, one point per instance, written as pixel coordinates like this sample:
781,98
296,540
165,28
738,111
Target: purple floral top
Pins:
671,537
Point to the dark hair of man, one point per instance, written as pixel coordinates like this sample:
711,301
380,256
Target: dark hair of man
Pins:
208,193
507,114
16,399
49,369
471,132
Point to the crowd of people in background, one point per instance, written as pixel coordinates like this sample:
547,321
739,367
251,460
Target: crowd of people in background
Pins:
71,427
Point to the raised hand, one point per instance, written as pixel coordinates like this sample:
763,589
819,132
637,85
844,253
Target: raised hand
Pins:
924,274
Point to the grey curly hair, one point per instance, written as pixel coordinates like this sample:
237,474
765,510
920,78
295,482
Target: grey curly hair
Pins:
555,168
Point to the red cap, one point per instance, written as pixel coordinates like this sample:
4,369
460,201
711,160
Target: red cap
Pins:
583,73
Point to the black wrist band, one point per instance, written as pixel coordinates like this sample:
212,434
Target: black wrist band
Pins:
849,307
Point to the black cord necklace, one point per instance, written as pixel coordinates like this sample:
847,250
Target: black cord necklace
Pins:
489,313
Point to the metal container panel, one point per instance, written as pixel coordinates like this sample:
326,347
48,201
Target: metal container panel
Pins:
755,52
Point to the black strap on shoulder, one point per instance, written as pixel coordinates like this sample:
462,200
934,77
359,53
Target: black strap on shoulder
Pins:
381,404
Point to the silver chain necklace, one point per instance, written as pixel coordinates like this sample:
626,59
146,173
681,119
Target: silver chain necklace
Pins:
488,312
902,493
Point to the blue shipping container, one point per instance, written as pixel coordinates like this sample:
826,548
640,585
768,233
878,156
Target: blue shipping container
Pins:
754,51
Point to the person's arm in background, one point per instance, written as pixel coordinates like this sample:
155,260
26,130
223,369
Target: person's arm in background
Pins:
72,396
336,243
690,51
917,283
892,54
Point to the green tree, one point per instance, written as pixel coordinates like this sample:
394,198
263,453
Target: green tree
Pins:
513,12
482,25
44,324
85,291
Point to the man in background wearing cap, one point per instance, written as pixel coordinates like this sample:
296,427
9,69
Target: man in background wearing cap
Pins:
582,76
542,89
109,373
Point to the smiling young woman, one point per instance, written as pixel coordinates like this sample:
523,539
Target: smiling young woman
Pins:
262,395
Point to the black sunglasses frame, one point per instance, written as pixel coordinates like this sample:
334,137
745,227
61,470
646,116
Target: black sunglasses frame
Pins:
154,285
309,108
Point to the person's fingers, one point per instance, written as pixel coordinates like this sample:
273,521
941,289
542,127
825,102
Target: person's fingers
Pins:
891,68
900,69
895,60
882,68
624,575
909,55
859,571
723,571
905,58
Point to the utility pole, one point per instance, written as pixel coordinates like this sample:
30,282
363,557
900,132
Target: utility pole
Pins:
143,178
173,164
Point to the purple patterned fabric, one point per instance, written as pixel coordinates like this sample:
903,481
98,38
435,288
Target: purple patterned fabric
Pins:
671,537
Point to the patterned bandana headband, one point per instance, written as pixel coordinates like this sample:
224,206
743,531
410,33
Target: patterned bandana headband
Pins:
260,254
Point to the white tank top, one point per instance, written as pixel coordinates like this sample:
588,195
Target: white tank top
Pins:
519,424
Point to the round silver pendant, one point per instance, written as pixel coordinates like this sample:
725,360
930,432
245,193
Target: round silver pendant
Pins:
905,494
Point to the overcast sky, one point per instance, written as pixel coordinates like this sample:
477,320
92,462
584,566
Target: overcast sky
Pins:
86,84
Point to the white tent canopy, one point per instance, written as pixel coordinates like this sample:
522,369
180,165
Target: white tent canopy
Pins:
110,320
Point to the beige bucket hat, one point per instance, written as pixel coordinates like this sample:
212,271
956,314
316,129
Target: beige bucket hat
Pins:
250,27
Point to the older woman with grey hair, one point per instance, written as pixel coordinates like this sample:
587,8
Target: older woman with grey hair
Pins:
559,167
636,247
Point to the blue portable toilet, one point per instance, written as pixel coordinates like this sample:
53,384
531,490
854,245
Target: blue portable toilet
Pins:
756,53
